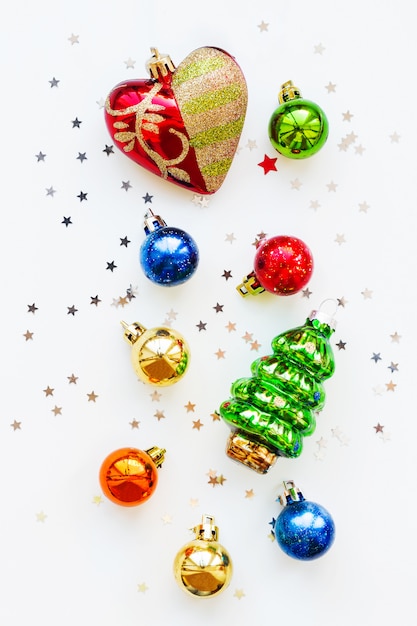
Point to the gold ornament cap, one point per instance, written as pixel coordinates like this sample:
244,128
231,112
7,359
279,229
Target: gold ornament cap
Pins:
160,356
159,64
157,455
251,453
250,285
288,92
203,567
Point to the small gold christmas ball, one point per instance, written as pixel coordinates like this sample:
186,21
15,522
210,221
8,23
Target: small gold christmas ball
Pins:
203,568
160,356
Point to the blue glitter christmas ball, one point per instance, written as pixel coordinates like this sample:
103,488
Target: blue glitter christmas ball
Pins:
169,256
304,530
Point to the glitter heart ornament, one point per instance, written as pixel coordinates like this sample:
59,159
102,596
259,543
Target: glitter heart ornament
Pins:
183,123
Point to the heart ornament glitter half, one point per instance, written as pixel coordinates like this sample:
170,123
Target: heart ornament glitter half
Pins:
182,124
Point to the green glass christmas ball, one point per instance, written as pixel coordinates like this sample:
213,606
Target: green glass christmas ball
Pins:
298,128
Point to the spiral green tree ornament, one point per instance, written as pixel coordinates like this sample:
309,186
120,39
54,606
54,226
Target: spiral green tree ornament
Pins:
270,412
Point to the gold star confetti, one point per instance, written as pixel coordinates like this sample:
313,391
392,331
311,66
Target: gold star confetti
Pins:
41,517
247,337
221,479
230,237
212,481
395,337
363,207
166,518
255,345
190,407
220,353
347,117
197,425
16,425
97,500
48,391
340,238
159,415
390,386
251,144
134,423
92,396
314,204
28,335
231,326
239,594
57,410
130,63
319,49
331,87
331,186
249,493
172,315
156,396
359,150
367,294
194,502
296,184
263,26
73,39
395,138
72,379
142,588
215,416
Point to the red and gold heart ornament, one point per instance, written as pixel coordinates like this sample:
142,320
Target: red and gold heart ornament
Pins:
183,123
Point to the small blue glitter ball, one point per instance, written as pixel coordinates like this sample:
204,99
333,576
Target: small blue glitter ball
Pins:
304,530
169,256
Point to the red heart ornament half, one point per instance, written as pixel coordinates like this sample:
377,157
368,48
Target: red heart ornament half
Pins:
184,123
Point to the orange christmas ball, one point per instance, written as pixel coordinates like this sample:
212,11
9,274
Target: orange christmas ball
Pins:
129,476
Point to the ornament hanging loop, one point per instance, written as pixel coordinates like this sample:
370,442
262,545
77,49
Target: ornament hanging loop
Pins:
322,316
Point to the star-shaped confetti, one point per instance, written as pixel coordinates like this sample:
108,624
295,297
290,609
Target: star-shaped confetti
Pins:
268,164
54,82
263,26
32,308
16,425
92,397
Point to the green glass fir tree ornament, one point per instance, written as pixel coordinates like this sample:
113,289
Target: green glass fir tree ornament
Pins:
270,412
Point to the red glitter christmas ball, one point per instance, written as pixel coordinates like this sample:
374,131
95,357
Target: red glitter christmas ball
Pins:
283,265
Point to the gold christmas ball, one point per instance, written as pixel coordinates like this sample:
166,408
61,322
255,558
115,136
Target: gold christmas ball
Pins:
203,567
160,356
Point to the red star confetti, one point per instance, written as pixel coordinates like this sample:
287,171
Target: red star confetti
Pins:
268,164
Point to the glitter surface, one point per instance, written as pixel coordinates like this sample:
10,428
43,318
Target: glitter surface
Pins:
212,96
304,530
169,256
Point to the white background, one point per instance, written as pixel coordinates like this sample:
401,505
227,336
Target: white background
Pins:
69,556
